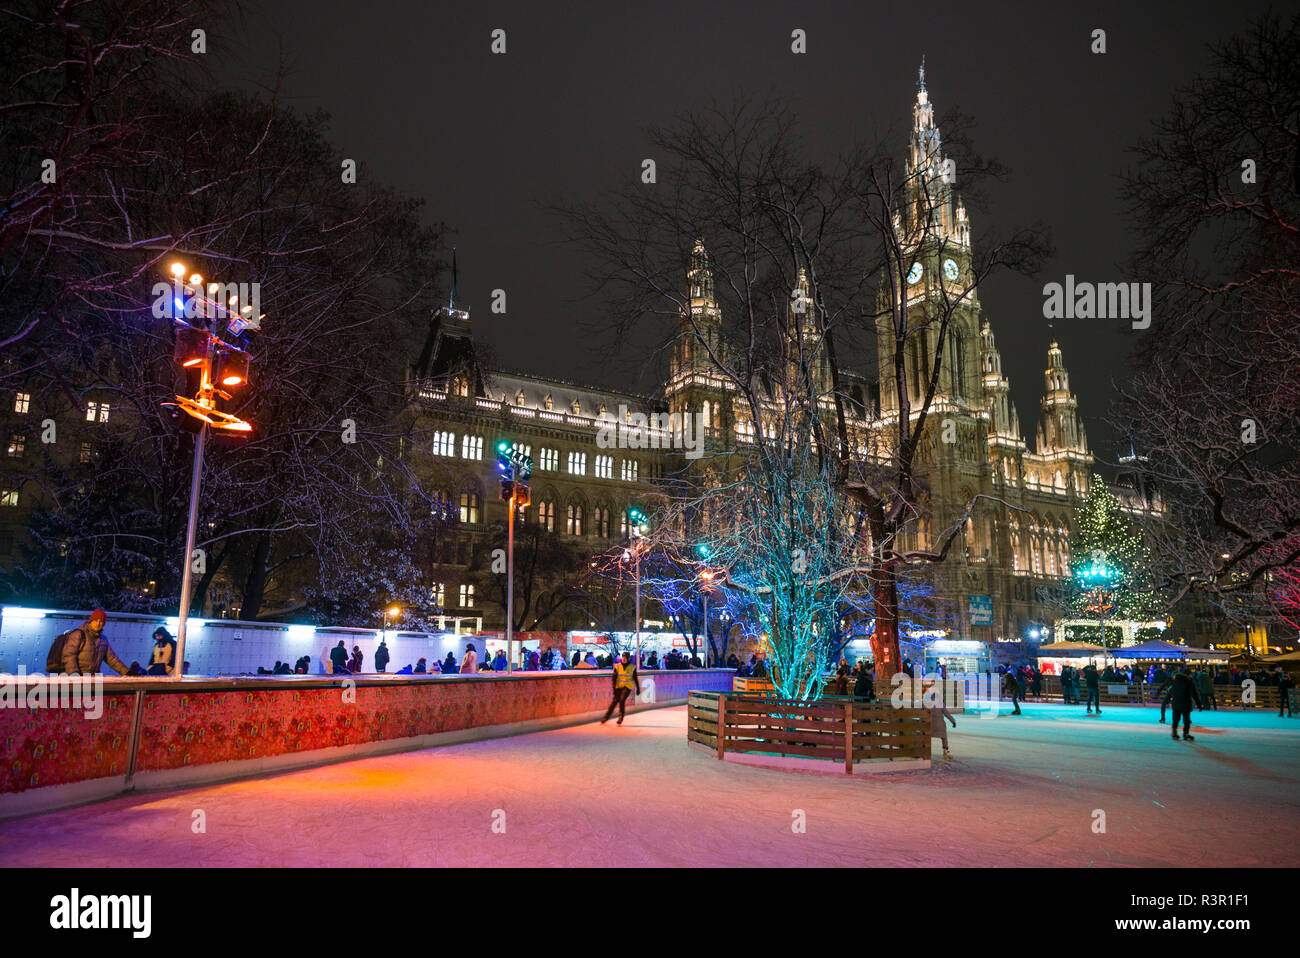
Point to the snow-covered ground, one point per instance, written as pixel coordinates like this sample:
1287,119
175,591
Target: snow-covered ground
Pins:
1022,791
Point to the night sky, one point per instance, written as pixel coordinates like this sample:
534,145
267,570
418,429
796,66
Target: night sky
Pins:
415,93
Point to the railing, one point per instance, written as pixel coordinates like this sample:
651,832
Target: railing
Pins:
1225,696
845,732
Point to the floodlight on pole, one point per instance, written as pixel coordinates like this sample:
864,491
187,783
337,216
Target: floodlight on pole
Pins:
214,371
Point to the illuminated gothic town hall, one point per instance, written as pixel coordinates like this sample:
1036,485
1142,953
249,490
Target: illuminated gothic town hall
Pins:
1003,586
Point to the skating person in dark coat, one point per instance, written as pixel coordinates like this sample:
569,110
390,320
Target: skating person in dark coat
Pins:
1284,686
1093,683
1162,694
1205,686
1013,690
1182,693
381,656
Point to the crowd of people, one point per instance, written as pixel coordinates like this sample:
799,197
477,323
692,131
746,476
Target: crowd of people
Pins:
1207,682
85,650
550,659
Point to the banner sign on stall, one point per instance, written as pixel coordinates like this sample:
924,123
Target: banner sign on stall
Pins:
981,610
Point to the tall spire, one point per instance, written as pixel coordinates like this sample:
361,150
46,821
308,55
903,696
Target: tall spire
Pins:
700,278
934,208
451,300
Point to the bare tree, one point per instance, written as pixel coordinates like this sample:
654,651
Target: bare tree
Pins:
1216,196
799,252
344,273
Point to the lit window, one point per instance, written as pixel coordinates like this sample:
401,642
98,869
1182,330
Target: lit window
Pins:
574,521
471,447
17,443
22,401
438,595
444,444
459,386
629,470
604,467
466,596
9,497
550,460
578,463
546,516
469,506
602,523
522,448
96,412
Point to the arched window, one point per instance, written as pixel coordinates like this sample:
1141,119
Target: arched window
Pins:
957,360
469,506
546,515
573,524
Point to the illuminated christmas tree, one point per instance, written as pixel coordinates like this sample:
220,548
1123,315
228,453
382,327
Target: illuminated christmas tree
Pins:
1110,563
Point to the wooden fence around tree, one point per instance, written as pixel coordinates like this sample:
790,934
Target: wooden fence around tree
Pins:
844,732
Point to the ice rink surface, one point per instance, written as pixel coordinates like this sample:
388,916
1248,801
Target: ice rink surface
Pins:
1022,790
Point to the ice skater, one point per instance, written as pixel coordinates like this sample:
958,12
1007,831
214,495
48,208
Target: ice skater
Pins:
939,730
1162,693
625,678
1182,693
1013,690
1284,686
1092,681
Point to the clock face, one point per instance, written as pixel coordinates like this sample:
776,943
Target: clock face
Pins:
950,269
914,274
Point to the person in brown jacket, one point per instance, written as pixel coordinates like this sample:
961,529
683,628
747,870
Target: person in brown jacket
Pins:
83,650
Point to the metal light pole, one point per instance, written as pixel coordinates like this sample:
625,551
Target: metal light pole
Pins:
516,468
705,648
223,369
510,582
636,553
187,575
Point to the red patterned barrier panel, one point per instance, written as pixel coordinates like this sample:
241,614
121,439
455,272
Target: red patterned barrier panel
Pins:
205,721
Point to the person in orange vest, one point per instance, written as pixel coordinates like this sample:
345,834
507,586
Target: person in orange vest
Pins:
626,678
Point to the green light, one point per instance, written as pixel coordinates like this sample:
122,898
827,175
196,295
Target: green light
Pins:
503,446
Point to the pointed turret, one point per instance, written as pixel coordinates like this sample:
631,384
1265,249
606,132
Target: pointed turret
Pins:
1003,420
693,383
1060,429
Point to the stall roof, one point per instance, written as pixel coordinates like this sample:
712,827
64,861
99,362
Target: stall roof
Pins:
1068,649
1160,649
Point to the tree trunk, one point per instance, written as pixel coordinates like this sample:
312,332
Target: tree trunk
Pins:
205,582
884,638
255,583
